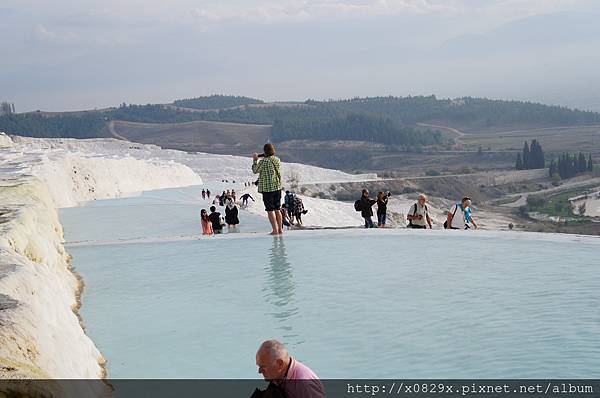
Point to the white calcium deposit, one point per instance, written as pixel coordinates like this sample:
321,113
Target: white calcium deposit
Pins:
40,333
210,166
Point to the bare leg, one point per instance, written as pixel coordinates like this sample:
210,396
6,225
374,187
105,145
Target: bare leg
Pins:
279,220
273,221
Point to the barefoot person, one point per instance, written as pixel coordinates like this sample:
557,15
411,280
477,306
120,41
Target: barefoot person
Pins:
269,185
216,220
206,223
295,379
231,214
245,198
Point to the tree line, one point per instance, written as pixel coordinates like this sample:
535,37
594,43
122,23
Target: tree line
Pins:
353,128
86,125
394,118
216,102
569,165
532,157
467,111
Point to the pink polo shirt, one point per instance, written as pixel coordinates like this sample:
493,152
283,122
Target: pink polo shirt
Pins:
301,382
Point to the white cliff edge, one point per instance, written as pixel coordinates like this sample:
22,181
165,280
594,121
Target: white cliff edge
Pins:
40,333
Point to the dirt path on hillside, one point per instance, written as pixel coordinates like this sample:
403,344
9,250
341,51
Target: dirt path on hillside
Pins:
459,134
113,132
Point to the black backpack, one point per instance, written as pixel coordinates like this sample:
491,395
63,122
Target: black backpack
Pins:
358,205
453,214
415,213
272,391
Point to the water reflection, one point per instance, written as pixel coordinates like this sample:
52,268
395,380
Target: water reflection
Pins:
279,290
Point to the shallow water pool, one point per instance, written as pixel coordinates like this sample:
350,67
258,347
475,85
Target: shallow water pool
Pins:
355,304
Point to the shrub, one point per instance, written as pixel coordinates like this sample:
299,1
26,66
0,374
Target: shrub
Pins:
294,180
535,201
511,226
558,206
432,173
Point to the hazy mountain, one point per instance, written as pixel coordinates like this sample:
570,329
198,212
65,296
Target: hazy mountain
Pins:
537,33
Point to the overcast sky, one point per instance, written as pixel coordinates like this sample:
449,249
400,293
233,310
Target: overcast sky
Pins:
78,54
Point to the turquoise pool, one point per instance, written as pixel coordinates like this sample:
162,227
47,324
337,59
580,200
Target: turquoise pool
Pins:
350,304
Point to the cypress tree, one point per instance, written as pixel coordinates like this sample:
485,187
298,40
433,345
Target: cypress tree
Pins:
519,165
581,163
526,165
552,168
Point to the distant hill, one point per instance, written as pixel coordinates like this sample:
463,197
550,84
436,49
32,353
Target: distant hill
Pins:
468,112
216,102
38,124
533,33
385,120
196,136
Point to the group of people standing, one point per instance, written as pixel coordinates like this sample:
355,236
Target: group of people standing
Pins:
269,183
459,216
365,206
214,223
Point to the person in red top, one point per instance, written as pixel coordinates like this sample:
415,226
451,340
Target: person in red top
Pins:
207,228
294,378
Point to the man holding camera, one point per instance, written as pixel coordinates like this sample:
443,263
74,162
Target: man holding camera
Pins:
418,215
269,185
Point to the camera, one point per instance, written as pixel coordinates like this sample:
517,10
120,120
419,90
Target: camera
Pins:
389,194
262,155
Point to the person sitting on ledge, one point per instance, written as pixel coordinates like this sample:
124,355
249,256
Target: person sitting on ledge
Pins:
295,379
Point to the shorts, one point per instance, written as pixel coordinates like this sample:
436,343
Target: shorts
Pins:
417,226
272,200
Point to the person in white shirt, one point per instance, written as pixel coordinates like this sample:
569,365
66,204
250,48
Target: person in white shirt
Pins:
459,216
418,215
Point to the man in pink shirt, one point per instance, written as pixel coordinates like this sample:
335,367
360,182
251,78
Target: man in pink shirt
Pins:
294,378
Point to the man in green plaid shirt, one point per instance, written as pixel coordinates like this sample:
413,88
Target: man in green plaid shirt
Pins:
269,185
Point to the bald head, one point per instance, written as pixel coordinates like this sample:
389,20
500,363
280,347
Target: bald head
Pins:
272,359
273,350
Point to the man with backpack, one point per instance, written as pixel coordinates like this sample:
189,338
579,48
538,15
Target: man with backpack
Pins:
216,220
418,215
288,201
459,216
365,206
299,210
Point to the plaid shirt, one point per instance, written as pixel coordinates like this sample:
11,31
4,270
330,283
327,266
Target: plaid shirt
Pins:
269,174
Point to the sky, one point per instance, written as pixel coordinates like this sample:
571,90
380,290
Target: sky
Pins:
83,54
